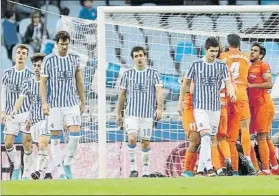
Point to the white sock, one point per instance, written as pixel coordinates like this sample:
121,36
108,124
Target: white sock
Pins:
248,158
49,166
275,167
42,160
12,154
72,147
56,153
145,161
205,151
132,157
201,165
27,161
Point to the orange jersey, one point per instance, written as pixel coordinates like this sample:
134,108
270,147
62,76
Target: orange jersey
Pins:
258,73
238,63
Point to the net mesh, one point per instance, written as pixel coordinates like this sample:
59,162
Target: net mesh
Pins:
172,42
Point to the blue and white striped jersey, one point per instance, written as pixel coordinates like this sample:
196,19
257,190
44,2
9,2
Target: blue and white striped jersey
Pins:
141,91
61,79
13,81
31,90
207,79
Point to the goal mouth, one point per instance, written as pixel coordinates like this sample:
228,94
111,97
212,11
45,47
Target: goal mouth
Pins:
173,37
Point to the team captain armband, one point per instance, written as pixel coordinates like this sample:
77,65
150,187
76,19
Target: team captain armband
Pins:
188,99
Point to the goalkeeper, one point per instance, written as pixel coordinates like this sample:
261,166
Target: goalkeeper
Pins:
142,87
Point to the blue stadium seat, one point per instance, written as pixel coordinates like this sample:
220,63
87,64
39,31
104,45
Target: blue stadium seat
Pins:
5,63
4,52
184,48
171,81
112,75
23,24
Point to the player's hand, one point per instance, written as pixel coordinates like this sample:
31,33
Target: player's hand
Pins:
3,118
232,95
81,108
45,109
180,108
27,125
158,114
119,120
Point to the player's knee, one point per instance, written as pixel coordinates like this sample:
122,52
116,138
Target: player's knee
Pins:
9,142
55,132
43,142
245,124
145,144
27,139
132,138
262,136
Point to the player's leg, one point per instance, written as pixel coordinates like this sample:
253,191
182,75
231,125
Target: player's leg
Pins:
204,128
216,156
223,145
191,154
55,125
245,135
233,133
132,127
193,137
146,128
72,119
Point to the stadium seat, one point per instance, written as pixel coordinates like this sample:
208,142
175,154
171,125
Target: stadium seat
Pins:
151,20
249,21
4,52
117,3
176,38
202,24
272,48
50,8
23,24
99,3
185,48
186,61
51,25
74,9
226,23
47,46
112,39
19,38
5,63
245,46
65,3
132,40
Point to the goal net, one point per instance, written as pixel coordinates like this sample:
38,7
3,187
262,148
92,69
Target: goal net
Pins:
173,38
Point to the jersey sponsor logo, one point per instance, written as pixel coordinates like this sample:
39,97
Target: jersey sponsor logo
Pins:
208,81
14,88
64,75
142,87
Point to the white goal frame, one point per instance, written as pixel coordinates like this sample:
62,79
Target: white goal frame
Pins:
102,11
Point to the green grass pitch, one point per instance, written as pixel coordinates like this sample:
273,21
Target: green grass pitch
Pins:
253,185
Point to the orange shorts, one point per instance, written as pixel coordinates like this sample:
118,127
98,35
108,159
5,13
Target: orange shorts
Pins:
223,124
262,112
236,112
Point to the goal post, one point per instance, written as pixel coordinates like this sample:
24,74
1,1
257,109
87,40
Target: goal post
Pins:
151,26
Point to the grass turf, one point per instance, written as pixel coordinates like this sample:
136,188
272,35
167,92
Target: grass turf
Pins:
253,185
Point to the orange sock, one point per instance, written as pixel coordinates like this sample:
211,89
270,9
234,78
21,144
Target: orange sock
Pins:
225,149
222,158
272,153
194,160
245,142
215,157
188,160
254,159
264,154
234,156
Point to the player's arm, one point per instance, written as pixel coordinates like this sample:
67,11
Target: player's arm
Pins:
80,89
43,85
228,83
121,99
159,95
4,96
185,87
266,75
23,93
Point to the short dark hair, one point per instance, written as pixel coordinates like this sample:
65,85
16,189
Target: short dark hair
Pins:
234,40
211,42
9,14
262,49
64,35
22,46
65,11
37,57
137,49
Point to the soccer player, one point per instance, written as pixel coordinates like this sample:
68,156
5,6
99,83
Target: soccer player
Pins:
192,135
261,106
11,86
142,87
207,74
62,72
39,132
239,113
